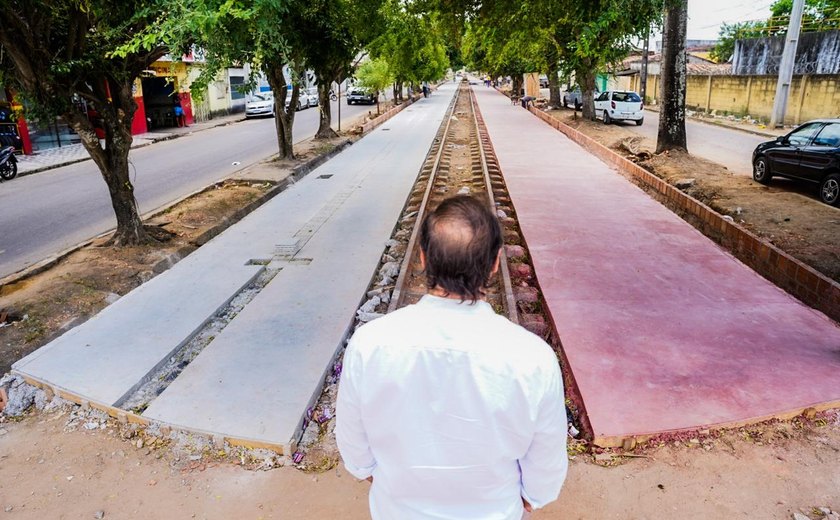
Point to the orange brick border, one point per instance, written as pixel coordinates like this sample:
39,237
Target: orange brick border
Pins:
801,281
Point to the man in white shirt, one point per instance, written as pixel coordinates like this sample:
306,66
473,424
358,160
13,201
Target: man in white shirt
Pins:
452,411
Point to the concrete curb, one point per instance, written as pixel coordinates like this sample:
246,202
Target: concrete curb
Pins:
796,278
298,173
385,116
153,141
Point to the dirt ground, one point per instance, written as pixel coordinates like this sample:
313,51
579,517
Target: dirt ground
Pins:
50,470
786,213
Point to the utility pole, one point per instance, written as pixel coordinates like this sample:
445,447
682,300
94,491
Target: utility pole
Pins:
644,71
777,119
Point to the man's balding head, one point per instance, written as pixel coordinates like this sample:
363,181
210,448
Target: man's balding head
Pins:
461,241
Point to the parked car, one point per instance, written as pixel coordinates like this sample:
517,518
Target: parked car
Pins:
574,97
311,94
543,81
358,95
620,105
261,104
810,153
303,100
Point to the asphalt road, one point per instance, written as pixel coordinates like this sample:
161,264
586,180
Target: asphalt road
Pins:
731,148
45,213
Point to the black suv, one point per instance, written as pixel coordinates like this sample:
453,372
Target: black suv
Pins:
811,153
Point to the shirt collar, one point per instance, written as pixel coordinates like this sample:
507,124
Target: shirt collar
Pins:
450,304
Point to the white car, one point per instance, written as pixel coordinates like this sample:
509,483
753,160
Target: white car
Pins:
620,105
303,101
311,95
261,104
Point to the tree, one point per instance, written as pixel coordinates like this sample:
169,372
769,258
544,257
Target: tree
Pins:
579,37
411,43
672,112
332,33
725,47
375,75
60,55
259,32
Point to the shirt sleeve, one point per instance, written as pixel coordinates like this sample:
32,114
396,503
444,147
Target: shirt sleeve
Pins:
350,431
544,466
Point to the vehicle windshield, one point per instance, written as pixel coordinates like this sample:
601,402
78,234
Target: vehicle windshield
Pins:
262,97
630,97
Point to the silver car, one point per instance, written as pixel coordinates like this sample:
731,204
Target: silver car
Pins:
573,96
261,105
311,95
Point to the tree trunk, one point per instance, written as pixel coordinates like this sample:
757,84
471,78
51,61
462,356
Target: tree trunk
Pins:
555,100
672,110
586,81
395,93
325,130
516,85
113,161
284,116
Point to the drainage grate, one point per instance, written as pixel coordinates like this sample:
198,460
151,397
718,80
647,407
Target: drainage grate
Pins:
325,176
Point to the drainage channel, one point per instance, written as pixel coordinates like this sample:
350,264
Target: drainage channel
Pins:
160,379
460,161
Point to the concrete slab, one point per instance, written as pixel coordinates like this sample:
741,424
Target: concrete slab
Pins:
111,354
663,330
256,379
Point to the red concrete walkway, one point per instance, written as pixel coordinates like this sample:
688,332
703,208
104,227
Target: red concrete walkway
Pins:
663,330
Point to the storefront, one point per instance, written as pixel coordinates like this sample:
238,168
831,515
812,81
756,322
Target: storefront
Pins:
162,88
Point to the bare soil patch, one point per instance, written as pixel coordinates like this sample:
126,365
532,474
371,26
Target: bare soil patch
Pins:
786,213
50,469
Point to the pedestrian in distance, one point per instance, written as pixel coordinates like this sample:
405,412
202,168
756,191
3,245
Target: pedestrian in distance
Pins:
450,410
180,115
426,90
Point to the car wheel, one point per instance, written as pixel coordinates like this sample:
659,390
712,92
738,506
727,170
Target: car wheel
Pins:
349,102
607,119
640,121
761,171
830,190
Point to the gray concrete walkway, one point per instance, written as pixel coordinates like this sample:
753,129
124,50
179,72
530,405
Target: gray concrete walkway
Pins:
255,380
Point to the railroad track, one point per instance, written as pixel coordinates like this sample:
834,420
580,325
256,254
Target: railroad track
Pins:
462,161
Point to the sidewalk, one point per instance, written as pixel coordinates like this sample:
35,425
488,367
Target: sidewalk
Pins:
663,330
69,154
314,248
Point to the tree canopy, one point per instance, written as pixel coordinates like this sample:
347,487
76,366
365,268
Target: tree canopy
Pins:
61,57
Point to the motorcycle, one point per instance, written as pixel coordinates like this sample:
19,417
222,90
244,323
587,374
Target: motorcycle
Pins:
8,163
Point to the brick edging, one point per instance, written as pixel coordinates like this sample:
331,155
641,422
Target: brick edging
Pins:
799,280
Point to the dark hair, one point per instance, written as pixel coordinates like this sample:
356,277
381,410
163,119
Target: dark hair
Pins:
460,239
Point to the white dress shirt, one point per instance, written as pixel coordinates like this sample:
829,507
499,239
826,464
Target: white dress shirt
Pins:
455,411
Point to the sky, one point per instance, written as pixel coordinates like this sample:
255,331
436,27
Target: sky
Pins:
706,16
